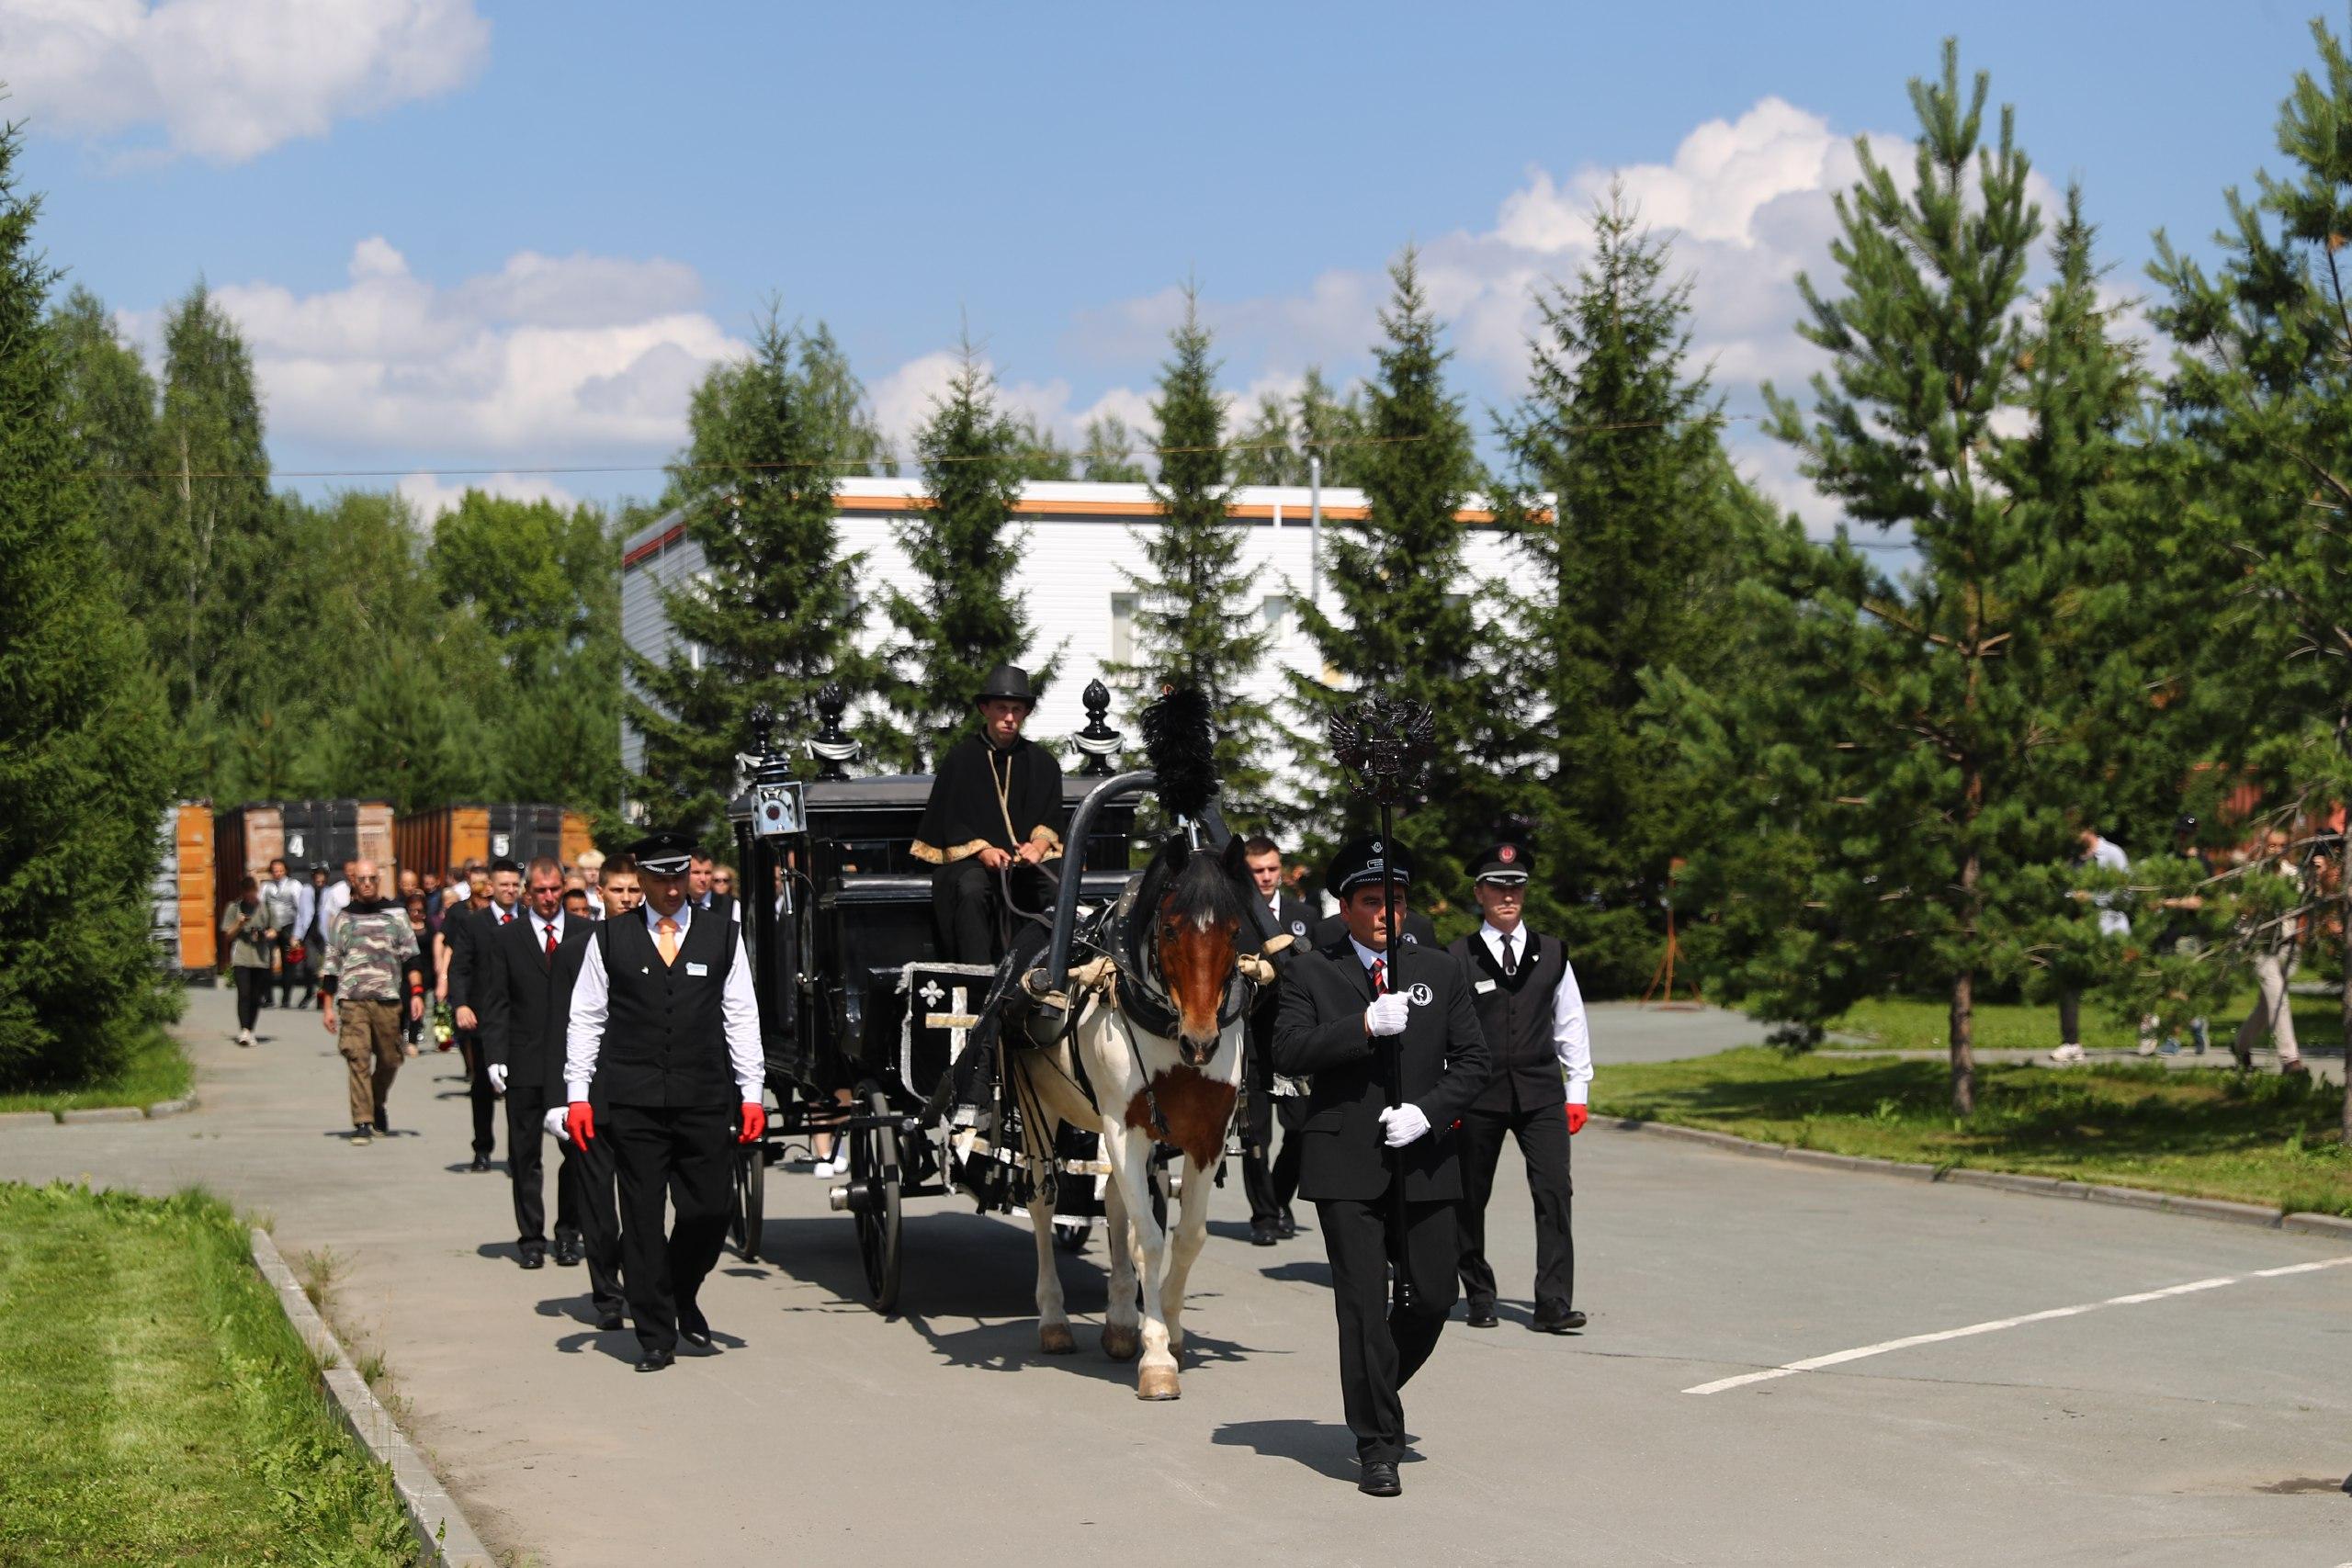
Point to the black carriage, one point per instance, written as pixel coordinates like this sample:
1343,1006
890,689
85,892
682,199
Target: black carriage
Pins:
837,919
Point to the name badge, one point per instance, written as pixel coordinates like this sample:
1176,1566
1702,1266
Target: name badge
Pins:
1484,986
697,969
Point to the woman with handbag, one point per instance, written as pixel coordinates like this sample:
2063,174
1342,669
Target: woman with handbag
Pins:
252,943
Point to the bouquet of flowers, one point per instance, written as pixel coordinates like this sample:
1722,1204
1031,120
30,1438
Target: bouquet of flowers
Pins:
444,1026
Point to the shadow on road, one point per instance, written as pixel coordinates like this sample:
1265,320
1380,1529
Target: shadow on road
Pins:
1324,1447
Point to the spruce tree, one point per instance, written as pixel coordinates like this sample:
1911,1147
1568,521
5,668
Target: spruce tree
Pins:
958,616
1196,617
1400,622
84,765
1114,451
773,618
2263,380
1633,529
1263,450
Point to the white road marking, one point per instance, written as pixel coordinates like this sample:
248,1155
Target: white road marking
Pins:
1837,1358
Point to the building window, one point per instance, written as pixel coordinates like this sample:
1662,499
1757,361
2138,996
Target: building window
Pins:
1274,611
1123,628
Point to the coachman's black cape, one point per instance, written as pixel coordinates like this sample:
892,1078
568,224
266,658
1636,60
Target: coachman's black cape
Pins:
963,814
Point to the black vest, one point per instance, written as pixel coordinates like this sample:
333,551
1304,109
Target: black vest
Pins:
665,1034
1515,1015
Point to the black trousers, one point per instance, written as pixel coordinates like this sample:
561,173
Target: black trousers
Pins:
526,1106
291,974
684,1154
584,1189
1270,1183
1543,1137
967,904
1380,1350
478,1089
253,983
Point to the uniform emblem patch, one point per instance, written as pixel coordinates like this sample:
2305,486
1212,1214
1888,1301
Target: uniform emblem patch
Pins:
1298,928
1422,996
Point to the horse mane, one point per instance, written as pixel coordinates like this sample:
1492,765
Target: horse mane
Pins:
1199,887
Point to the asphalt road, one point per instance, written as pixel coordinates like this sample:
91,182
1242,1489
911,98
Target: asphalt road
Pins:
2211,1427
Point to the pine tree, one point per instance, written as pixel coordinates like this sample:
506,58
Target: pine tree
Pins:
1334,428
1114,451
2263,382
1196,614
83,764
110,415
1263,450
1634,529
959,617
774,617
1401,623
1925,744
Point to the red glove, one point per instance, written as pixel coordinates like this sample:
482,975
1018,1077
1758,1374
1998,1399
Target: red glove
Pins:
1577,1114
755,1122
578,1124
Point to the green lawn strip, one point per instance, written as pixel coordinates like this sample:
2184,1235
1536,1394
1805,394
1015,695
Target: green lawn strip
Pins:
155,1069
2210,1133
155,1407
1908,1023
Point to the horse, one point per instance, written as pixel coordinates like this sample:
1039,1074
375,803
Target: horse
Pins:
1155,1058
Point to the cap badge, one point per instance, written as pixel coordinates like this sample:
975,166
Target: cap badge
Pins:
1507,854
1376,848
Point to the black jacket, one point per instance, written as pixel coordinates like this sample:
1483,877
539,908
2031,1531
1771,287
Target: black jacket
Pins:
1319,1032
524,1003
466,930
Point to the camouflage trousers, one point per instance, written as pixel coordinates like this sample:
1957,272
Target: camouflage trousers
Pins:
368,1035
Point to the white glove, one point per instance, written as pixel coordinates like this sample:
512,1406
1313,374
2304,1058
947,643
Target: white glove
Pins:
1400,1125
554,1120
1386,1014
497,1079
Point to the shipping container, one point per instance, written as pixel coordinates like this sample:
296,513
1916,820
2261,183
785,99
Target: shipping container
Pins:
452,835
304,833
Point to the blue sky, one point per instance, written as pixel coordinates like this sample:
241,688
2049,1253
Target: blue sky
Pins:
470,234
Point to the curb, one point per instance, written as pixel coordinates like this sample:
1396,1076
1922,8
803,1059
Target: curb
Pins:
441,1532
2005,1181
99,1114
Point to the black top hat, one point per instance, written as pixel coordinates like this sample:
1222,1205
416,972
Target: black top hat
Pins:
1506,862
1367,858
1009,681
666,853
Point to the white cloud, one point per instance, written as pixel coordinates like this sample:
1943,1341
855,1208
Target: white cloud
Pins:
583,357
228,80
904,398
432,494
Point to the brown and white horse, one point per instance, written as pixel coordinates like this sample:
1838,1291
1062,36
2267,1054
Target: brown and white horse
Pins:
1161,1048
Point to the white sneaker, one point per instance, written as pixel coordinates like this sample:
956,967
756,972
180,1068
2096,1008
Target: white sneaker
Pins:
2069,1055
244,1037
826,1170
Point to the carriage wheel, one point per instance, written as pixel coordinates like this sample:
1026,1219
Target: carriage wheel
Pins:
751,1204
874,1169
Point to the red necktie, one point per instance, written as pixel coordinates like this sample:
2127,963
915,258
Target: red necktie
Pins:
1379,976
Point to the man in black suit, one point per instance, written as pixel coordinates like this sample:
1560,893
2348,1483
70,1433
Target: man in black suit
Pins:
1337,1005
467,932
523,995
1268,1180
1531,1013
665,1025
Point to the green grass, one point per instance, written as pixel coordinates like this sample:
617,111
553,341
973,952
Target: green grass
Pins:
155,1069
2211,1133
1909,1024
155,1407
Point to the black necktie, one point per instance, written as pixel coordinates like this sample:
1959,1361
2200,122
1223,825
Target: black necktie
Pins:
1511,958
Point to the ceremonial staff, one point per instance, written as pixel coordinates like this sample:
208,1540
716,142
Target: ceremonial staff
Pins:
1385,745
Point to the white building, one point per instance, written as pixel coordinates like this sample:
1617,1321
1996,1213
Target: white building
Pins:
1071,573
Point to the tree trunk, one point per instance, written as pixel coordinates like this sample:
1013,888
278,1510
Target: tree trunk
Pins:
1963,1044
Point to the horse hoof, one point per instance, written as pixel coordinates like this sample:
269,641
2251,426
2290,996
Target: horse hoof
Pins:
1157,1383
1120,1343
1054,1339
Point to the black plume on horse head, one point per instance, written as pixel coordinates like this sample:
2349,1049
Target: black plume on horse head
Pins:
1180,740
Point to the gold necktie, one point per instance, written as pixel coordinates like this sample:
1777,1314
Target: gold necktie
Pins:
666,938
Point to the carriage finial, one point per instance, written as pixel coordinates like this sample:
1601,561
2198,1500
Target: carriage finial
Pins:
832,747
1098,740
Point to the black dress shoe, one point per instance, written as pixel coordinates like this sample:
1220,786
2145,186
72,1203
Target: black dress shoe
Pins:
655,1360
1286,1227
383,1123
566,1251
1379,1480
607,1321
1557,1320
1482,1315
535,1257
695,1329
1263,1234
481,1162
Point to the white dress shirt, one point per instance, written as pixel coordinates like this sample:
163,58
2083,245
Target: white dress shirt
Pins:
540,928
331,904
1570,1037
591,1001
1368,956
